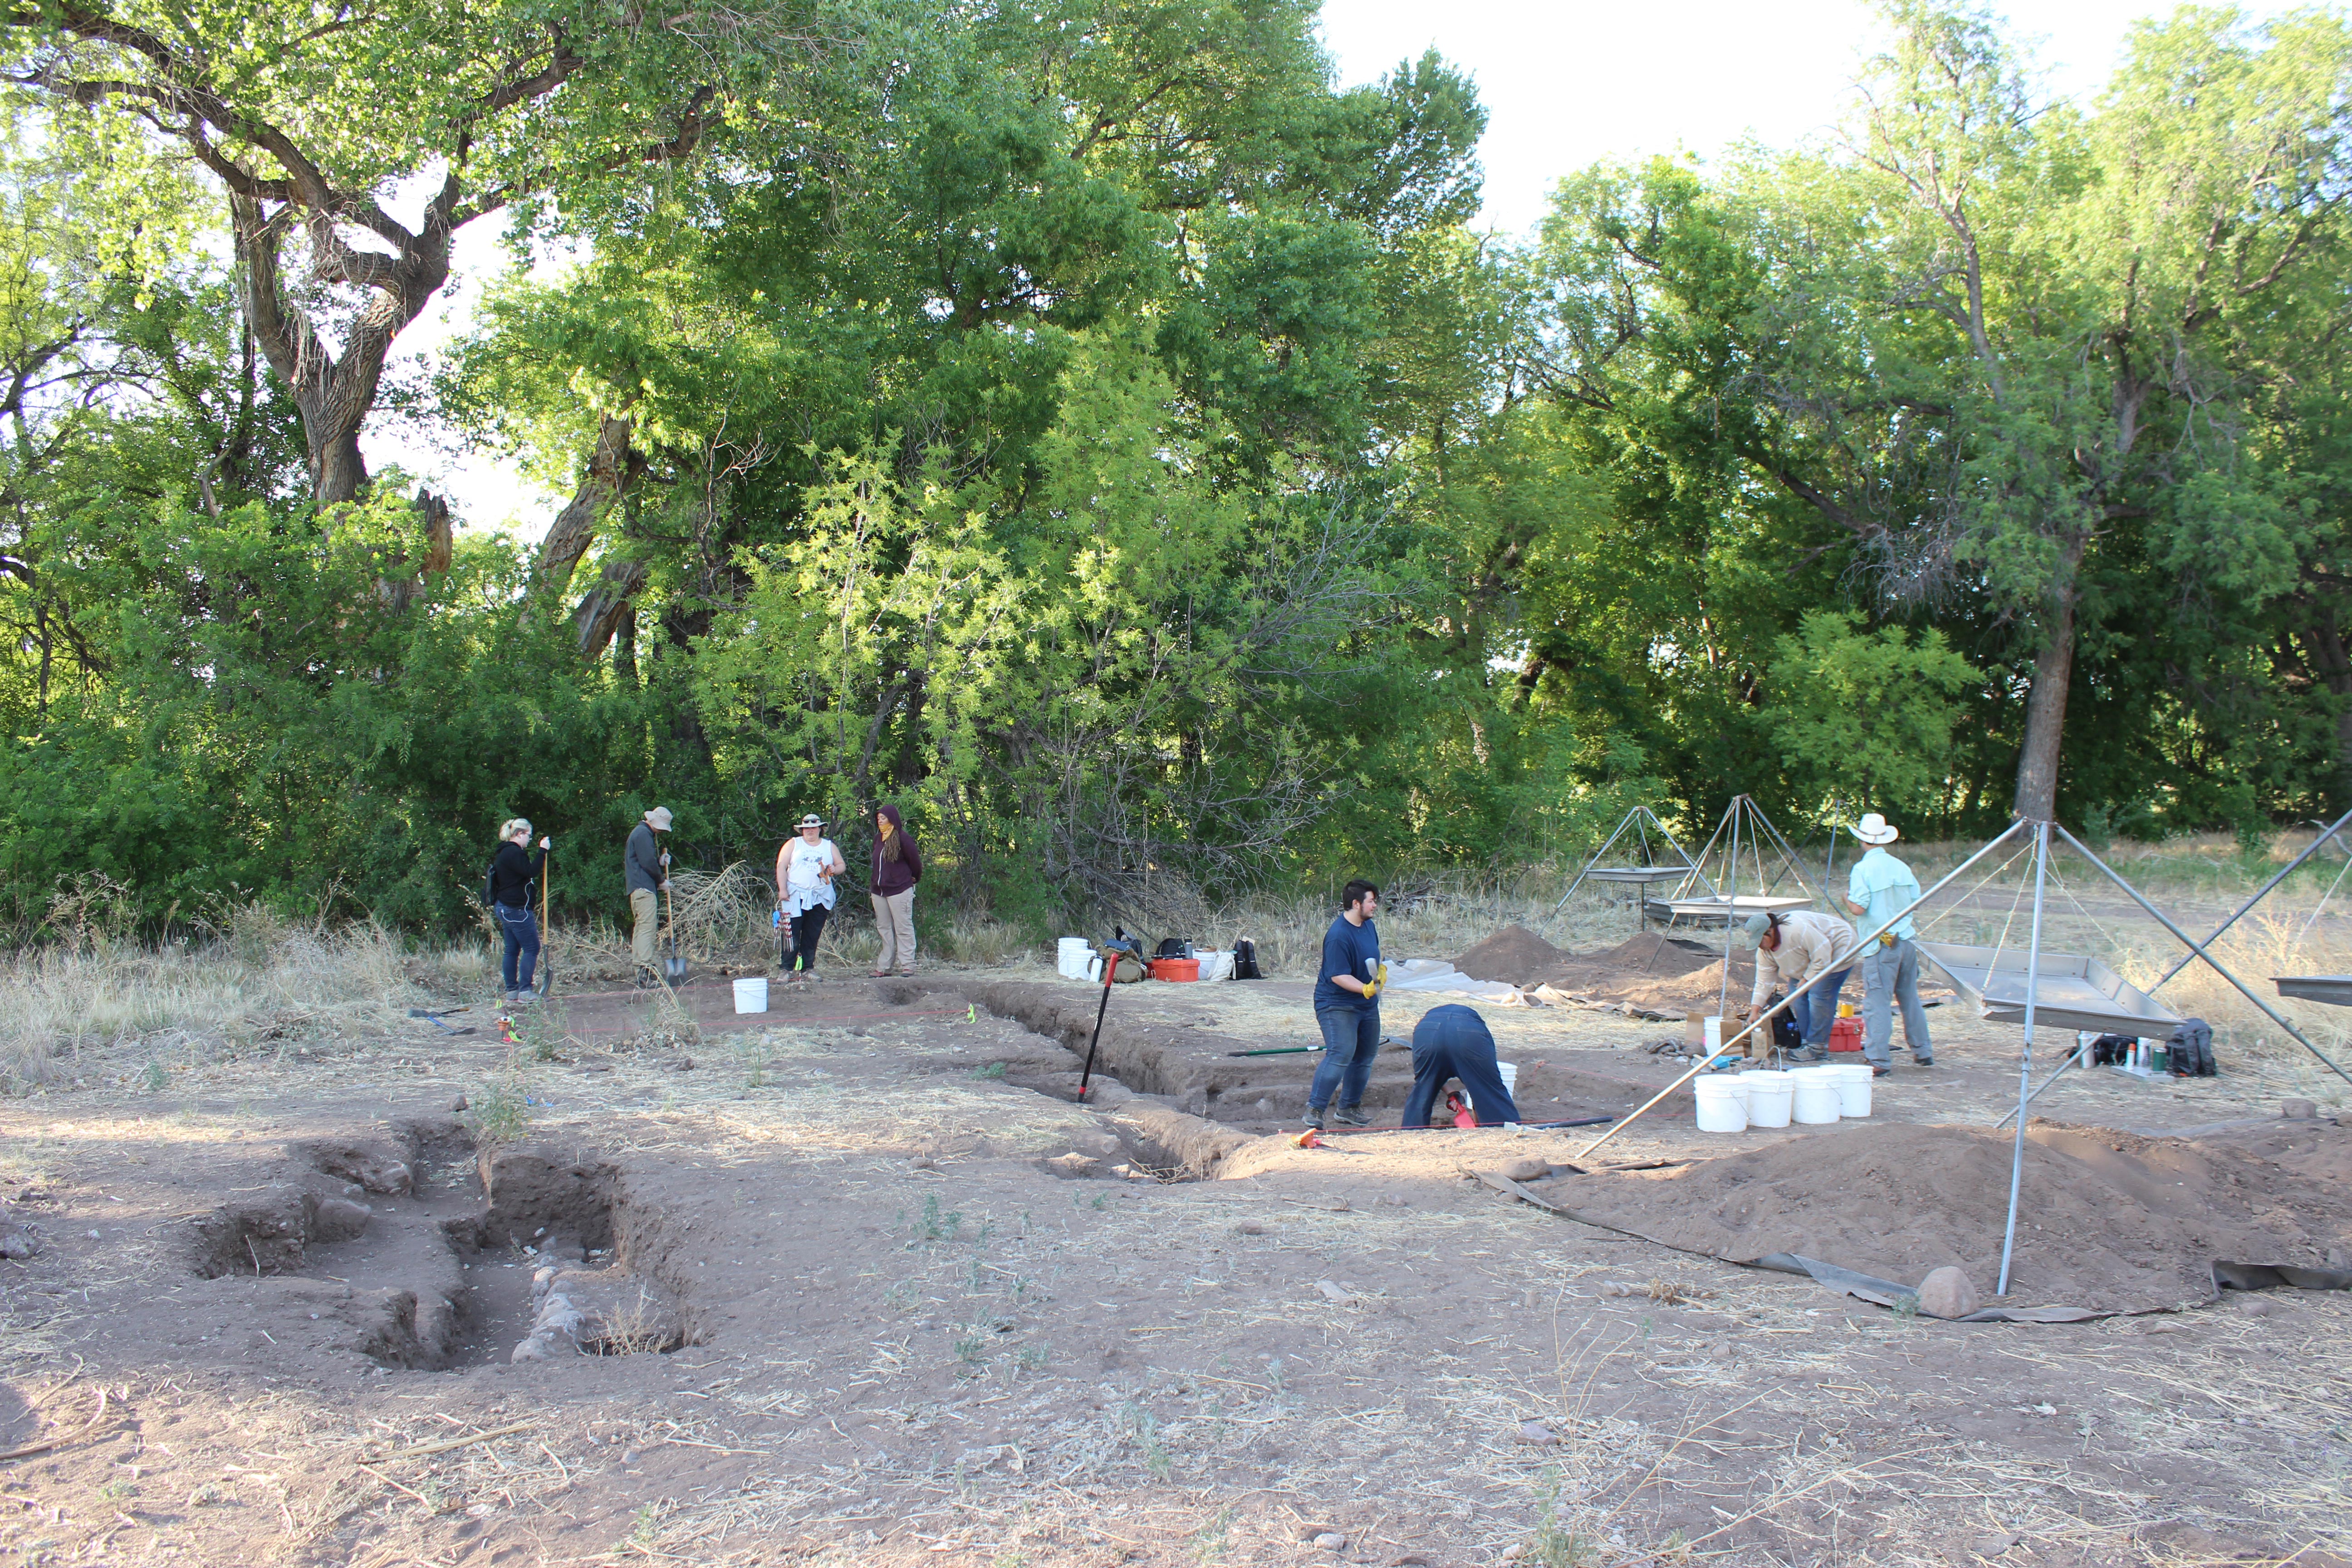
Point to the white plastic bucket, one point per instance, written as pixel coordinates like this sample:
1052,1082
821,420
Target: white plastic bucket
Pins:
1853,1088
751,995
1769,1094
1216,966
1722,1104
1711,1035
1816,1100
1070,955
1510,1073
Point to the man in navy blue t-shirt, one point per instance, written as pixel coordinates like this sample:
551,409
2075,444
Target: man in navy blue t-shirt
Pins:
1348,1007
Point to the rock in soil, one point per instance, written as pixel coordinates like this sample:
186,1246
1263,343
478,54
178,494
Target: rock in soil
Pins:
1537,1431
1331,1541
2299,1109
1530,1169
1948,1292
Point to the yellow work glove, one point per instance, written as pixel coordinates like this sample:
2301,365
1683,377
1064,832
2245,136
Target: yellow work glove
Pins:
1380,978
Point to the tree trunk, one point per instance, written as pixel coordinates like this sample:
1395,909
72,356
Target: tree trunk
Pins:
338,471
2045,714
612,469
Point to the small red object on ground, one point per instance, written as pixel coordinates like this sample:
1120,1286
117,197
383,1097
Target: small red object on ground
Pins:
1175,969
1310,1139
1845,1033
1463,1115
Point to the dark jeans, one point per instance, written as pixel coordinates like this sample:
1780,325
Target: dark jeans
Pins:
1452,1042
1815,1007
802,933
1351,1042
520,928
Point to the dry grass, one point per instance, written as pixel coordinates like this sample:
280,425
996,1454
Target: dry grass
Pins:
258,978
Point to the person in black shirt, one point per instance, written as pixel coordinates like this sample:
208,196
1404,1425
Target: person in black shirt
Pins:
512,872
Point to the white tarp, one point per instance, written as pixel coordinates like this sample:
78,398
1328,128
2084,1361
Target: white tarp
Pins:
1435,974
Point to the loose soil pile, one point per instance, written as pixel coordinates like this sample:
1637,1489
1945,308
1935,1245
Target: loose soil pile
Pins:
1653,970
2109,1221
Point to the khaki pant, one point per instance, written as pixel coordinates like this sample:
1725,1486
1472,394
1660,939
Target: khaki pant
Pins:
894,917
645,904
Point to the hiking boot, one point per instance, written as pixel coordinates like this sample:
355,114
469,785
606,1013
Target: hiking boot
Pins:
1313,1118
1923,1061
1880,1072
1807,1054
1351,1116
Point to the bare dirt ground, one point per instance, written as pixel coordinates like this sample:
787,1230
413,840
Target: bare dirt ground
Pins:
892,1297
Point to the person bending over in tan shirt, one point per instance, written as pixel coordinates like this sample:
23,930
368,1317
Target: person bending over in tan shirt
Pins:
1809,956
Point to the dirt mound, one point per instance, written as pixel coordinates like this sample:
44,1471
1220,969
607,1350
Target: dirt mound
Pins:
1513,955
2109,1221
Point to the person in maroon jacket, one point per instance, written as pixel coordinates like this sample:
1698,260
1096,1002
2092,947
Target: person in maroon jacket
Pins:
898,866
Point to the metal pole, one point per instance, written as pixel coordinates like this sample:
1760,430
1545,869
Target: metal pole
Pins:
1829,862
2260,893
1730,908
1594,861
2326,834
2269,1012
1888,925
2025,1062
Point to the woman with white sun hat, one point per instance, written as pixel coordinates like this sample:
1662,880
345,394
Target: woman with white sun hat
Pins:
1880,885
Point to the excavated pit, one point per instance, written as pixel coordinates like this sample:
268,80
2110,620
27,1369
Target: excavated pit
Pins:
424,1254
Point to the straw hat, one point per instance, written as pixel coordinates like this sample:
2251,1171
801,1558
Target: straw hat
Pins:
1874,829
659,819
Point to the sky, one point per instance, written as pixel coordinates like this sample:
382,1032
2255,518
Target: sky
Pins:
1565,86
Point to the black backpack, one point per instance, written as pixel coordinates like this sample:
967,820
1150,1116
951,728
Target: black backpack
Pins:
2111,1050
1786,1036
2190,1052
1173,947
1246,959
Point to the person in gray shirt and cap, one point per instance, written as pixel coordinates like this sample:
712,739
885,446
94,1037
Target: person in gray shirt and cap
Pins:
646,865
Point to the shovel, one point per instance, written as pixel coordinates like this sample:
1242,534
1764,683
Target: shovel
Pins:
546,963
673,966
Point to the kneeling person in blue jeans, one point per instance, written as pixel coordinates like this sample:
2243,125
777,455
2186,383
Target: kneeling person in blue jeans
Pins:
1348,1007
1454,1042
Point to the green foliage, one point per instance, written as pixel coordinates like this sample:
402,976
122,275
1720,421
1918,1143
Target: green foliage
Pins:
1868,716
1090,430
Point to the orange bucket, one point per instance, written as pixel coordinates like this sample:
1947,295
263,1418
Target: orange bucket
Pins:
1175,969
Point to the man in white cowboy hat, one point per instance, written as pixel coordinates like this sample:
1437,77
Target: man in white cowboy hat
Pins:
1879,886
646,865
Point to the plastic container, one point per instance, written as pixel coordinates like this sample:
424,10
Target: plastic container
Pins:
1853,1082
1216,966
1845,1033
1816,1100
1722,1103
1175,969
1711,1035
751,995
1071,956
1509,1072
1770,1095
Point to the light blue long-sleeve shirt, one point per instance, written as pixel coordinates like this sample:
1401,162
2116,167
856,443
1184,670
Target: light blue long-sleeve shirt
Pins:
1881,884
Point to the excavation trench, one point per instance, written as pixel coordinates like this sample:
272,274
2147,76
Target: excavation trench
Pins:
425,1252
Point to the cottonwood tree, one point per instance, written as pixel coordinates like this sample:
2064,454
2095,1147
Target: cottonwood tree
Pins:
316,121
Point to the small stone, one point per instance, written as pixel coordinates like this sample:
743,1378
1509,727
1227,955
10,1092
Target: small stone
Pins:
16,1242
1530,1169
1249,1227
93,1236
2255,1307
1947,1292
1536,1431
1331,1541
339,1219
535,1347
926,1163
1991,1545
1330,1292
459,1103
2299,1109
